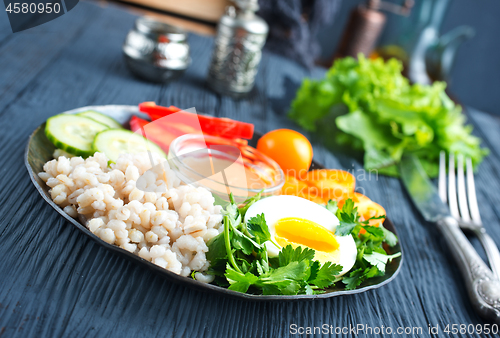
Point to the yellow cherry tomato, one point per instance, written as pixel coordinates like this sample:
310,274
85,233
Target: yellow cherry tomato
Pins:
293,186
331,183
290,149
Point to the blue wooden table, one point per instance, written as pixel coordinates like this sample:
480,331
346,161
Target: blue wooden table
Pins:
54,281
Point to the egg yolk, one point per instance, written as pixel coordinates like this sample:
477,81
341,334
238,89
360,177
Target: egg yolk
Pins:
305,232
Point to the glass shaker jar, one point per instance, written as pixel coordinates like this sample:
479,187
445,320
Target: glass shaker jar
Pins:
241,34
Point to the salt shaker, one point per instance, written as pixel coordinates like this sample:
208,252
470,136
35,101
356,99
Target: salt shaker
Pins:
241,34
156,51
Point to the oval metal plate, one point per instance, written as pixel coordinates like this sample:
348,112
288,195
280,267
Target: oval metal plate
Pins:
39,150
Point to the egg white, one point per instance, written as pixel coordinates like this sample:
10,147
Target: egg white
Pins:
275,208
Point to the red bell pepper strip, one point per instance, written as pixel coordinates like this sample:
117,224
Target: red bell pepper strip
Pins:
217,126
159,134
163,134
155,112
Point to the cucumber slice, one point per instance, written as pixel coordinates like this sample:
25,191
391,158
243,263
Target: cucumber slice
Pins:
114,142
73,133
101,118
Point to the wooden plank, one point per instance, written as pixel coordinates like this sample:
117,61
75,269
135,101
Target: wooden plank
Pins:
191,90
200,9
487,126
5,30
185,23
25,54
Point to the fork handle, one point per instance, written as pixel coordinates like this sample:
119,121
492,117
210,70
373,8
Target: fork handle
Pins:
491,250
482,286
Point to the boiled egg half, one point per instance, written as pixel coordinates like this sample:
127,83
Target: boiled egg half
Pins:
299,222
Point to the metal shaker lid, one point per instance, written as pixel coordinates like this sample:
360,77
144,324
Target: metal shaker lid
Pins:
244,17
154,28
252,5
156,51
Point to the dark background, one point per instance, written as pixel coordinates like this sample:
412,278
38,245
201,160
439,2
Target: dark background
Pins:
475,78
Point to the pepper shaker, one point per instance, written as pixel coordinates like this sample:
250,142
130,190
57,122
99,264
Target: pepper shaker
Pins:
241,34
365,25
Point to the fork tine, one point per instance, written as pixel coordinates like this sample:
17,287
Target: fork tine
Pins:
462,193
452,189
471,187
442,176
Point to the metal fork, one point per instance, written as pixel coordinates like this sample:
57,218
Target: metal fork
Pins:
466,212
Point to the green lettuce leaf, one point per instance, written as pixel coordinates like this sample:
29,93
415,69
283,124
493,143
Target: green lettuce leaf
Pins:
385,115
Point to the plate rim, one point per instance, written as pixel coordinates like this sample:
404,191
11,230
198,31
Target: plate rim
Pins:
205,287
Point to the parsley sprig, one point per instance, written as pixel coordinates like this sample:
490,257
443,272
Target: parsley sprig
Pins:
372,258
239,261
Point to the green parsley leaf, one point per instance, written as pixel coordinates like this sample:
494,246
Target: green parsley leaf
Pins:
344,228
348,208
232,212
332,206
325,276
217,255
244,265
348,218
292,271
288,254
259,268
287,279
241,242
219,201
358,276
270,289
376,232
315,267
354,279
389,237
239,281
264,261
258,228
239,286
248,203
380,260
